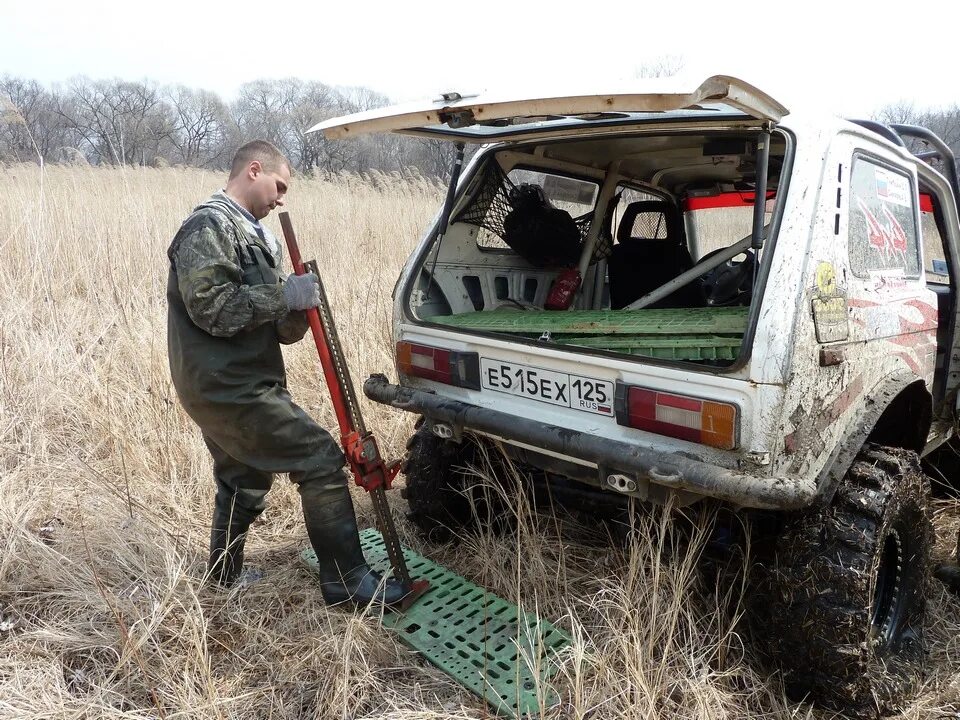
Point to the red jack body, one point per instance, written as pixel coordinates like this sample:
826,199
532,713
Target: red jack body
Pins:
359,446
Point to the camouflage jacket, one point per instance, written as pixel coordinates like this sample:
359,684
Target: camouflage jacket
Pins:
209,253
226,319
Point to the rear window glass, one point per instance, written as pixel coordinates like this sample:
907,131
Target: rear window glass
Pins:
577,197
882,229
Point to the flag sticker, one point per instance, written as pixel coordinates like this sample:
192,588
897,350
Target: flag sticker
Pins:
892,187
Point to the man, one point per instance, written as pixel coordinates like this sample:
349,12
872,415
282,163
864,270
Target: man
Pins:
229,311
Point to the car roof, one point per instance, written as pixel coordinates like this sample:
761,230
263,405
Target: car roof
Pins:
487,117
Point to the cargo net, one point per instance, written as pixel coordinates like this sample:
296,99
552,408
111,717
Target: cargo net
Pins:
491,204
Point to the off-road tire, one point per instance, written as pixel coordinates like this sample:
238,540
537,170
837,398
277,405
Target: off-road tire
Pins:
848,590
443,490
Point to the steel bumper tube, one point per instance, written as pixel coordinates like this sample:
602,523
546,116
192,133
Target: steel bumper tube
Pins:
666,469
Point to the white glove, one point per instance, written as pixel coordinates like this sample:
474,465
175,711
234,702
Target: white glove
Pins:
302,292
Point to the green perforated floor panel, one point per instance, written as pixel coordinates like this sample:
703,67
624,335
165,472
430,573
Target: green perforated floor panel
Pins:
479,639
665,321
688,347
668,334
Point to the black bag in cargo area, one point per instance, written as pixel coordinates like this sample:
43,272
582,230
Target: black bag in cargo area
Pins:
541,234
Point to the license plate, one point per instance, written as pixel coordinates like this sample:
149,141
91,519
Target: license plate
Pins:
563,389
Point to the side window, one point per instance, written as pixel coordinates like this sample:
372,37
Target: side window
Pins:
577,197
574,196
934,260
882,231
719,220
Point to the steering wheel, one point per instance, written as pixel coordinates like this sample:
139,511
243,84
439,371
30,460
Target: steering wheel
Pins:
730,283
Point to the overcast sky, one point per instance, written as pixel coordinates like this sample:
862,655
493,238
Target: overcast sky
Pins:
844,56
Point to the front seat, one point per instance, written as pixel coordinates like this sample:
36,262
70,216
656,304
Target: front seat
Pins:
649,252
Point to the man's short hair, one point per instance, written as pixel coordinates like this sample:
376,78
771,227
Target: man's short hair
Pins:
266,153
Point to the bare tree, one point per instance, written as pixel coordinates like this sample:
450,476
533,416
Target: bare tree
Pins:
393,153
315,102
434,158
898,112
122,122
262,107
358,99
944,122
118,121
320,102
662,66
362,154
200,129
29,129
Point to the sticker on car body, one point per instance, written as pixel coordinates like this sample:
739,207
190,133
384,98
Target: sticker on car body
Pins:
556,388
892,187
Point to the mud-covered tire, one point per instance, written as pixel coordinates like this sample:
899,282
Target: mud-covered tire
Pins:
444,491
848,590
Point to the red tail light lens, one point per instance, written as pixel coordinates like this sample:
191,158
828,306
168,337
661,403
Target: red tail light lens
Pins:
681,416
445,366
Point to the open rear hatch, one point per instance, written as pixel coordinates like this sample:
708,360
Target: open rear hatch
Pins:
497,116
674,155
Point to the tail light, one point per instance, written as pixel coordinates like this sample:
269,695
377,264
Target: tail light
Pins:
688,418
445,366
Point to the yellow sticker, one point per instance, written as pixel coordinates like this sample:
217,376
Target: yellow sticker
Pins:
826,279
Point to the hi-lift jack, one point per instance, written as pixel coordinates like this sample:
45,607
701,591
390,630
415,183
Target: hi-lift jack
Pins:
485,643
359,445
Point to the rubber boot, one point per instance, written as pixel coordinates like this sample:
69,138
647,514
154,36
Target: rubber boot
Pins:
228,534
332,529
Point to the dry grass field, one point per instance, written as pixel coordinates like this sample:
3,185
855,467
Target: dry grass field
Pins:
106,493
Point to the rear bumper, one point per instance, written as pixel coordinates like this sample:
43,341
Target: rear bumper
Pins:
613,456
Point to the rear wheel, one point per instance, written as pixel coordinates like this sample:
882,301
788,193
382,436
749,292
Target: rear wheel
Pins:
848,591
452,486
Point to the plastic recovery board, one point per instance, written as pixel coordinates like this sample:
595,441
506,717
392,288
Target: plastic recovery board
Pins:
665,321
480,640
668,333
